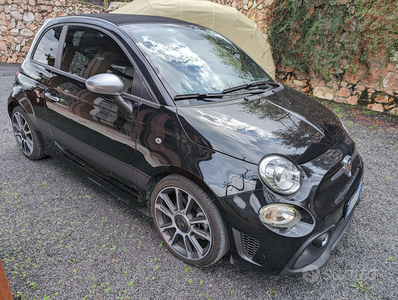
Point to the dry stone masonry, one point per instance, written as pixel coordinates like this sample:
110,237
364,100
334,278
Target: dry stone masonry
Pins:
21,19
376,87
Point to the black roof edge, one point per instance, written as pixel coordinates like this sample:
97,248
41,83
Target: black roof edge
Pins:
120,19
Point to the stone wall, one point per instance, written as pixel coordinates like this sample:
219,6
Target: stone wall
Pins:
253,9
375,87
21,19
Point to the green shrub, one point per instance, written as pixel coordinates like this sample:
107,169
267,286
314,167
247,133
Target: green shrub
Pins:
324,35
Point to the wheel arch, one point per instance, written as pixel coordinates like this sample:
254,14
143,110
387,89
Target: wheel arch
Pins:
20,98
162,173
11,106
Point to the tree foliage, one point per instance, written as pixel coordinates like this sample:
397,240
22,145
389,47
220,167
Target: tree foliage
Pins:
327,35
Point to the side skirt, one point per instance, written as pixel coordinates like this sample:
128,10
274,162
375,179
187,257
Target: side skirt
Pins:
112,186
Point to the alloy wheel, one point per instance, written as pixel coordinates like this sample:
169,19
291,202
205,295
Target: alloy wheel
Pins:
183,223
23,133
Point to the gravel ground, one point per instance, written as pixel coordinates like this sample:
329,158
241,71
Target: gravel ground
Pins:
62,237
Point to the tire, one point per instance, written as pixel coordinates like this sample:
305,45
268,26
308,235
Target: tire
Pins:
190,225
27,138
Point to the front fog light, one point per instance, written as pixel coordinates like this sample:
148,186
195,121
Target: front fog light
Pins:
321,240
279,215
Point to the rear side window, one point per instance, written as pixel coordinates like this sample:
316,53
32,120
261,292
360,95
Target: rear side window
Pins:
46,50
88,52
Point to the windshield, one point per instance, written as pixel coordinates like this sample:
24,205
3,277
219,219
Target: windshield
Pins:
191,60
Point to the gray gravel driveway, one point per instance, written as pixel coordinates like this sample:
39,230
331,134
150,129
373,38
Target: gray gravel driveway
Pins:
62,237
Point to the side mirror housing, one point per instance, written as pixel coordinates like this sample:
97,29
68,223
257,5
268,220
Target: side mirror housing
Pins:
111,85
105,84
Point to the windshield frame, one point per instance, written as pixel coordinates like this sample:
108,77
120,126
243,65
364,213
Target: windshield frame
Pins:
197,29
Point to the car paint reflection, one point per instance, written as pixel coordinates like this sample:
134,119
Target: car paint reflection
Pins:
90,127
93,111
231,131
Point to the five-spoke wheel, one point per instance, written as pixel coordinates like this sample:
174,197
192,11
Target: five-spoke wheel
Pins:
188,221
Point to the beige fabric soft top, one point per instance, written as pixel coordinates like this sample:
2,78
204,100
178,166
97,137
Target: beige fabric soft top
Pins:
222,19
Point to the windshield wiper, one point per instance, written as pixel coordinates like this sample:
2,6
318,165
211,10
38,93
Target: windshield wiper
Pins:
249,85
202,96
208,96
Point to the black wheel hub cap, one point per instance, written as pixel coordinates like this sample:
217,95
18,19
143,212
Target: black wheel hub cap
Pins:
182,223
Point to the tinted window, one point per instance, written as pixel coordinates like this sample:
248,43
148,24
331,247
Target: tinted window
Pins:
46,50
88,52
192,60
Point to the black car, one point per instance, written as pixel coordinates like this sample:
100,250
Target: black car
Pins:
179,122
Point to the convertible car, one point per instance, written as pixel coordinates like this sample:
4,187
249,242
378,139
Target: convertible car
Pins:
182,124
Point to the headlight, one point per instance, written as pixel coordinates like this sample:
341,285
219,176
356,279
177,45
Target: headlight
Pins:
279,215
280,174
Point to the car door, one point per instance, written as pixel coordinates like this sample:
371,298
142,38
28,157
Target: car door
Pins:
35,72
88,126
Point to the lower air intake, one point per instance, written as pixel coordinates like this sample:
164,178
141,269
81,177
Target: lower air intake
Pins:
250,245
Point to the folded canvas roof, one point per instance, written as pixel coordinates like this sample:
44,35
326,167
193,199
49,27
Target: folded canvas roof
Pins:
222,19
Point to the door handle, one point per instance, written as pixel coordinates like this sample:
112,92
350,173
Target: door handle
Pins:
52,96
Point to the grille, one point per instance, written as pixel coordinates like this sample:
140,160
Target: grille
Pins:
250,245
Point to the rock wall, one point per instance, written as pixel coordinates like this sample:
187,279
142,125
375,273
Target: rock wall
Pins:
375,87
21,19
253,9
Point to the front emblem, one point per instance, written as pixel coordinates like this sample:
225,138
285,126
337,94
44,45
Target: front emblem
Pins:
347,164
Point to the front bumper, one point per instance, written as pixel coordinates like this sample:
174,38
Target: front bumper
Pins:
274,254
309,257
255,247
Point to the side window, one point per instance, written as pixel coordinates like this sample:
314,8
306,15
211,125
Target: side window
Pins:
46,50
88,52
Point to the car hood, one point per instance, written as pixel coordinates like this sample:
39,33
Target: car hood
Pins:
287,123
